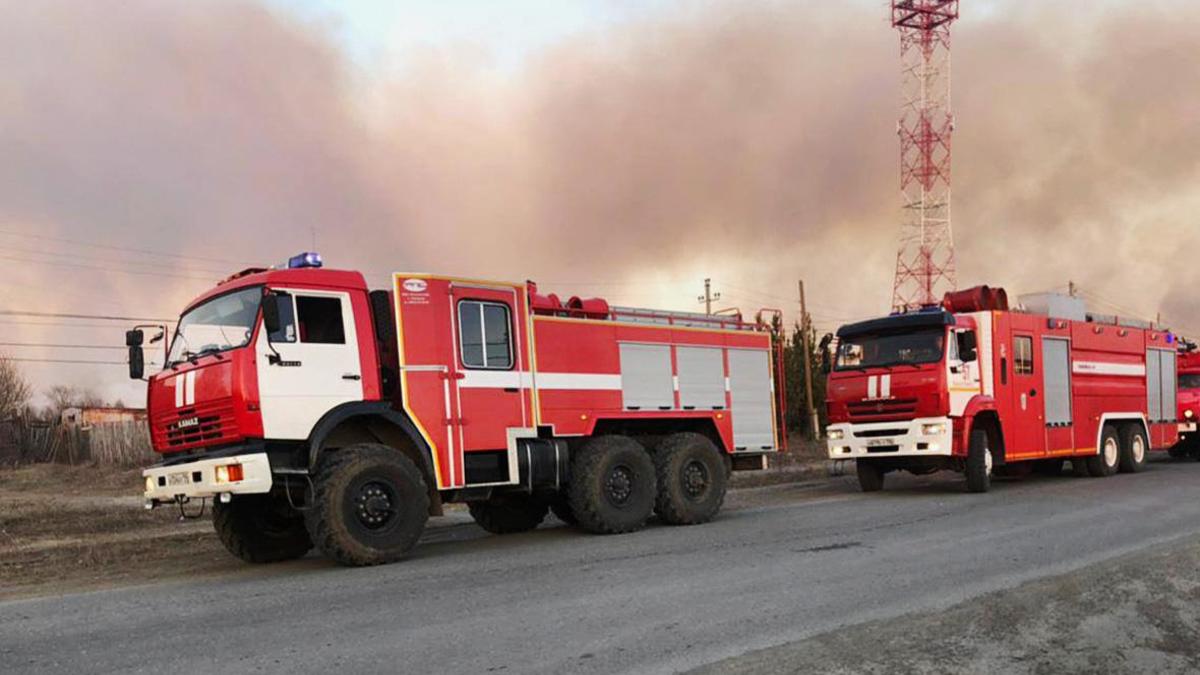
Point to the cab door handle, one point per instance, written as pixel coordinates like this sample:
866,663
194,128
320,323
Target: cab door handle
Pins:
351,376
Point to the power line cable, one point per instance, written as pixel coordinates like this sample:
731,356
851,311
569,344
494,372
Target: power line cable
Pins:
46,237
61,315
49,345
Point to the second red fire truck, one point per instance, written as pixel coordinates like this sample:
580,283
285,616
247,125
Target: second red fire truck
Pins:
316,412
973,386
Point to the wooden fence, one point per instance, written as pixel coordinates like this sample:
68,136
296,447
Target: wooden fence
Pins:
116,444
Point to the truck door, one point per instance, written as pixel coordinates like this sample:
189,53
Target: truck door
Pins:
490,377
1026,434
310,365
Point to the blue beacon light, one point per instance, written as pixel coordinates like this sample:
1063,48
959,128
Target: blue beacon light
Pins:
307,259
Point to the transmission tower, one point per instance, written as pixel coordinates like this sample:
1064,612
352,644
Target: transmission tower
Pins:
925,263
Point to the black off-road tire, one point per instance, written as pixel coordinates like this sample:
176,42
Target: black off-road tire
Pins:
261,528
560,506
1108,460
1079,467
870,475
509,513
370,505
1134,448
980,461
691,479
612,485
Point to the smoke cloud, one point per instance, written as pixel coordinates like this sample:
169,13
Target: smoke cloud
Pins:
752,142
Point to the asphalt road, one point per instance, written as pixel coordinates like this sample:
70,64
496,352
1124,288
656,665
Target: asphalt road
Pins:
791,563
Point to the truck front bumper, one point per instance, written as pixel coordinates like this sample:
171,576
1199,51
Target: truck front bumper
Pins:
923,437
208,478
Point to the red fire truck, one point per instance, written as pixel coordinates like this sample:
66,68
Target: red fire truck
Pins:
974,387
1189,403
316,412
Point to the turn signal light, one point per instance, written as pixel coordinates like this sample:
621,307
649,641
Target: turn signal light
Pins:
229,473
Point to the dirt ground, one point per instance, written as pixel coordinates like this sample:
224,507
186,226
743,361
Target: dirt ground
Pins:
68,528
1135,614
74,528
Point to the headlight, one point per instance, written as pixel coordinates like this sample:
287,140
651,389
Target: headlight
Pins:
836,434
935,429
150,484
1189,414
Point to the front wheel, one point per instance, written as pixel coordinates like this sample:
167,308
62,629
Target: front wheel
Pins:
979,462
870,475
1133,448
370,505
261,528
1106,462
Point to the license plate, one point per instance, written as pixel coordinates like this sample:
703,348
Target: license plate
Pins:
1187,426
877,442
174,479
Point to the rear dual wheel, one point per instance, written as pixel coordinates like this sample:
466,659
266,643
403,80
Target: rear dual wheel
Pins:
613,485
1134,445
692,479
1107,461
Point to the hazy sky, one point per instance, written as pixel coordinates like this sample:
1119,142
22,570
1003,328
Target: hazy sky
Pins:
621,148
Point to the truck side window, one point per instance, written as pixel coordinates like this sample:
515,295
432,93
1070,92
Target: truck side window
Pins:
287,318
485,339
320,320
1023,355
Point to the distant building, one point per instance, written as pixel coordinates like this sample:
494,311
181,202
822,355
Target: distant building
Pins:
92,416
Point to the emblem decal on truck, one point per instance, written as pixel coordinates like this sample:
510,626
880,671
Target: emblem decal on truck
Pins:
415,285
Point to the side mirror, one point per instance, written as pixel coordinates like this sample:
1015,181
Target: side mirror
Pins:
967,347
826,362
270,312
134,338
137,362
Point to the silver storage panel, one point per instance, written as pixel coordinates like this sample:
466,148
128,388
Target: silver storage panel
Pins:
1056,369
701,377
646,382
1154,402
1170,382
750,400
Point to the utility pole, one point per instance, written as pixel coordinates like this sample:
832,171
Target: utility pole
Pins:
805,323
708,297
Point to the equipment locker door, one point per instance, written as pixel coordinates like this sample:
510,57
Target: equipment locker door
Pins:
1026,432
489,378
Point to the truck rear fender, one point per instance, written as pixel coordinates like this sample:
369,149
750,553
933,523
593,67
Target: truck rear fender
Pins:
374,422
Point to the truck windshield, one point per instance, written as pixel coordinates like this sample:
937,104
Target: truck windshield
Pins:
891,349
1189,381
223,323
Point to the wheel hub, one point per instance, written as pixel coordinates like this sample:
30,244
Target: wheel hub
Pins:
619,485
374,505
1110,452
1139,448
695,479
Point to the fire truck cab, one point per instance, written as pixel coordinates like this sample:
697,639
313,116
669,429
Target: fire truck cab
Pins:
973,387
317,412
1189,403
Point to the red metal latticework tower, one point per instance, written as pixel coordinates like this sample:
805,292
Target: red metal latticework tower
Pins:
925,264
